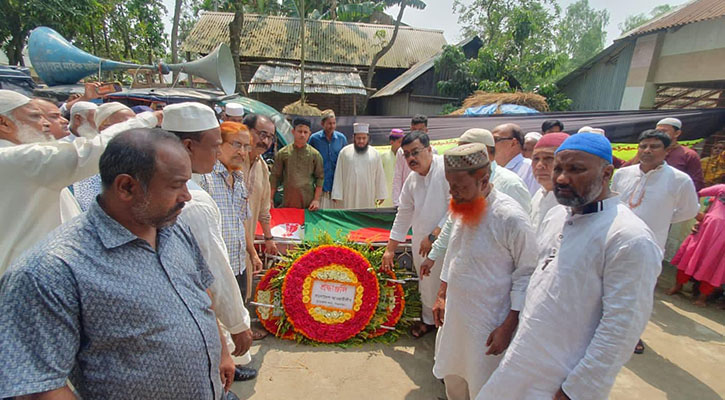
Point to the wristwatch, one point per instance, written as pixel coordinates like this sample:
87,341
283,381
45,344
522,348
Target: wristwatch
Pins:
432,238
268,238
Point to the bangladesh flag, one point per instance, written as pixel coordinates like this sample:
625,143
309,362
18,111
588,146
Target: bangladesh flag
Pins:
361,225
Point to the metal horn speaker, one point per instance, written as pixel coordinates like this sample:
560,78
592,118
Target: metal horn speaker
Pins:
57,62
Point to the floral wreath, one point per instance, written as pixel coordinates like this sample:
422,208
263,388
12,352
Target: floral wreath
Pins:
337,269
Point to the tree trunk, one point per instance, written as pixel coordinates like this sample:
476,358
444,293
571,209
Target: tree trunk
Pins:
384,50
302,52
333,10
15,56
235,42
175,36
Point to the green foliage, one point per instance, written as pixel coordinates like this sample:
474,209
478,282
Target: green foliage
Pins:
582,34
637,20
556,100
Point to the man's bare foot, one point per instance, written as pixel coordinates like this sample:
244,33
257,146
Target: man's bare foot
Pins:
675,289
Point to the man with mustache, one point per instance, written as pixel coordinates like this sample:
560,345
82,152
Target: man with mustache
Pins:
509,147
81,120
657,193
359,176
542,163
402,170
195,124
256,179
58,124
484,277
328,142
424,207
34,169
226,186
117,296
591,294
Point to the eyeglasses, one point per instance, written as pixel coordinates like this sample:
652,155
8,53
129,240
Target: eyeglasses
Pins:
501,139
238,146
413,153
264,135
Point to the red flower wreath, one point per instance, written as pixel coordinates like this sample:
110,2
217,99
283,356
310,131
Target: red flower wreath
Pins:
292,293
271,322
397,312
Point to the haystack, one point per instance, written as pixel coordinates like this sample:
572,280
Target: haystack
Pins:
298,108
481,98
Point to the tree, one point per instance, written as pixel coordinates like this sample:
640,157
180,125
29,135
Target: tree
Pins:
637,20
584,33
21,16
175,33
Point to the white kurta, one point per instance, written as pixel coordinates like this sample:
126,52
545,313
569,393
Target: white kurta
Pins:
202,216
487,269
388,158
423,206
508,182
541,203
359,179
69,207
667,196
33,176
402,170
522,167
586,305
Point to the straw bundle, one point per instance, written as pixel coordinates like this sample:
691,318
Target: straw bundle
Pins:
298,108
481,98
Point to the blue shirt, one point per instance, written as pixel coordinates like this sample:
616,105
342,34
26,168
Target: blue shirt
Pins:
329,151
233,203
85,191
94,303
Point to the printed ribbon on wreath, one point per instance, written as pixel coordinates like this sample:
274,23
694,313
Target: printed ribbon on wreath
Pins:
330,293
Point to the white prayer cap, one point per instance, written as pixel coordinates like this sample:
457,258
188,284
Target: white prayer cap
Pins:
360,128
478,135
189,117
598,131
672,122
234,110
82,106
532,136
105,110
10,100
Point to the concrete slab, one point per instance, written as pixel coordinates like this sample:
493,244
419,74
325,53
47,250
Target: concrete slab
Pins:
684,360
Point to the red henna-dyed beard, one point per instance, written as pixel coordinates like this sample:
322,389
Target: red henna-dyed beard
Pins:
471,212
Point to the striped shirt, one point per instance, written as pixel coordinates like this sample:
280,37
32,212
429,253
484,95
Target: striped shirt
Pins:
233,202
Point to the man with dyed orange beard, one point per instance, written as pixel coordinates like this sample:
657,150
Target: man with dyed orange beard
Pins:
491,255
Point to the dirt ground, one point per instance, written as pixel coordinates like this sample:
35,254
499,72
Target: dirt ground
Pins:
684,360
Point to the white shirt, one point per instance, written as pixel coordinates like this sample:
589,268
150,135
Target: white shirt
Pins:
487,270
359,179
423,206
508,182
665,195
541,203
69,207
586,305
33,176
402,170
522,167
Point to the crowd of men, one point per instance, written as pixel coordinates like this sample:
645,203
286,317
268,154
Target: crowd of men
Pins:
129,249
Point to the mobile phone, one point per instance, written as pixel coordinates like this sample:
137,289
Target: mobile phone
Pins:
107,88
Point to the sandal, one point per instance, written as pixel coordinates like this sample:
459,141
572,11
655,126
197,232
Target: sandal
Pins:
639,348
259,334
420,329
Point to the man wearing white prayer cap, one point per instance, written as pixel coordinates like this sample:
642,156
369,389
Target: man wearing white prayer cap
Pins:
530,140
112,113
359,180
197,127
484,277
82,123
681,157
234,112
34,170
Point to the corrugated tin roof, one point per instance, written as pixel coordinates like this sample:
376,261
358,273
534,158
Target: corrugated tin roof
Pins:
286,79
695,11
328,42
406,77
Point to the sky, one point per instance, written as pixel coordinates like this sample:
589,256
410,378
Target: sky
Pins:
439,14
